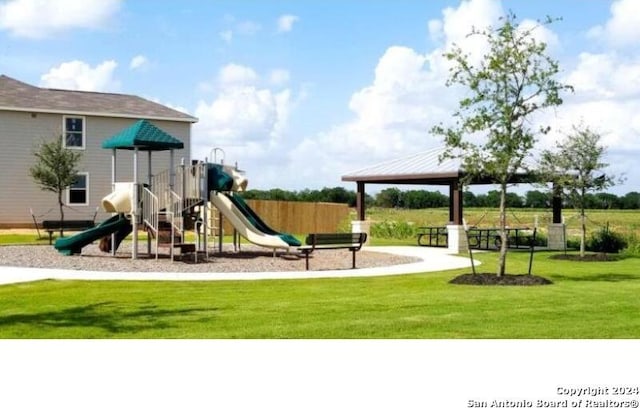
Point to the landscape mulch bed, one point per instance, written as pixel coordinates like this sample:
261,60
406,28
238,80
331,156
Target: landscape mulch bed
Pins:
599,257
493,279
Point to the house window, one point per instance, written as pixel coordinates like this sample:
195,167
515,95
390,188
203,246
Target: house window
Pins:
73,132
78,192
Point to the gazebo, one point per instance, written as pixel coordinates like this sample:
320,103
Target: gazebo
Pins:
425,168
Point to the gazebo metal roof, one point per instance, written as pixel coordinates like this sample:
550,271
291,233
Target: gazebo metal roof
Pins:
424,167
143,135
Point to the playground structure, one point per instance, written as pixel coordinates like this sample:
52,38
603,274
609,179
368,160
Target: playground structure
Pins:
193,197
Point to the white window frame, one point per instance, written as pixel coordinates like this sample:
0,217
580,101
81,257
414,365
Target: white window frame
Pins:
84,132
88,200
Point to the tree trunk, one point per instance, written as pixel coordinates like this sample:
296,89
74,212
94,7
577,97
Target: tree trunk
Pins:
61,205
502,260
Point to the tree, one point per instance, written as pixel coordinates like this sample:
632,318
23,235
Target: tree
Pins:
389,198
631,201
512,81
56,170
537,199
577,169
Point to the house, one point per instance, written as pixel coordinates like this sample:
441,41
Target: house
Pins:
30,115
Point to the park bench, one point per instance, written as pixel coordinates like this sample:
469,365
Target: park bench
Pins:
432,236
52,226
351,241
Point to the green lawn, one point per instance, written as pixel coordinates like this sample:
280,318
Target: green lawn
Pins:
587,300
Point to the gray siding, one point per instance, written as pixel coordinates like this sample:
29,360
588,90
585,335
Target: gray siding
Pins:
20,134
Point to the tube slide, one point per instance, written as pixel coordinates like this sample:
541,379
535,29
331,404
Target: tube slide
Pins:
246,229
74,244
120,200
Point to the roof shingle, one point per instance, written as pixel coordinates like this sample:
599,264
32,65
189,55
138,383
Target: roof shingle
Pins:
19,96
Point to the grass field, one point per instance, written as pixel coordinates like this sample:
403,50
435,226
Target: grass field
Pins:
587,300
623,221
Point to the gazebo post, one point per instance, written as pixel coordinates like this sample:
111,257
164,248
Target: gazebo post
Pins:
556,231
455,202
360,201
456,237
361,224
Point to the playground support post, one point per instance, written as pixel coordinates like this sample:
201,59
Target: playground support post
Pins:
134,209
113,188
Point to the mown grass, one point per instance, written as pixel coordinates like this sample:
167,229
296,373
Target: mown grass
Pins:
587,300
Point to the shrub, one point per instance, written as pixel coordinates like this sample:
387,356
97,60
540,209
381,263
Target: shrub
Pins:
633,245
573,243
393,229
605,240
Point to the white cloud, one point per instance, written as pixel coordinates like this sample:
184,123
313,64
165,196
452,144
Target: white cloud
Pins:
235,74
138,62
41,18
622,27
242,113
78,75
393,115
237,28
285,22
279,77
540,32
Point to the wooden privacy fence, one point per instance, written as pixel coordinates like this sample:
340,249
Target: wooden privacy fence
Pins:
298,217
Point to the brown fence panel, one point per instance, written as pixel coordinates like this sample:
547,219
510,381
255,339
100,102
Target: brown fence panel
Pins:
298,217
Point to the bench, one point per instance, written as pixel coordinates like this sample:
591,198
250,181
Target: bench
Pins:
52,226
437,236
351,241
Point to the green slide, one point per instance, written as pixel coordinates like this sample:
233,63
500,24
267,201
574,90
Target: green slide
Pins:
257,222
74,244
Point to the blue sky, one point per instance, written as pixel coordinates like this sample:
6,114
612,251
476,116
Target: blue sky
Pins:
301,92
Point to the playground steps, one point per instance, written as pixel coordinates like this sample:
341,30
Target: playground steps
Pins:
164,239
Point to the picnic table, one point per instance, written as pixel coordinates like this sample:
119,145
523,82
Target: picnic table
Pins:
489,238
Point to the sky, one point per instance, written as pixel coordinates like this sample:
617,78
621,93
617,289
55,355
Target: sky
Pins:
299,93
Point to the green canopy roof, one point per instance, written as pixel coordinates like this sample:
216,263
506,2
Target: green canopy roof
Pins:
144,136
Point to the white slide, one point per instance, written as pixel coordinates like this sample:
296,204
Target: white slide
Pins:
242,224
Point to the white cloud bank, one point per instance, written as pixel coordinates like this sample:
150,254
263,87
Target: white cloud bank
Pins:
393,115
80,76
245,114
38,19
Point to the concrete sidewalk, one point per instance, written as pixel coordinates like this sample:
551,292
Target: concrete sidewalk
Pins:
432,260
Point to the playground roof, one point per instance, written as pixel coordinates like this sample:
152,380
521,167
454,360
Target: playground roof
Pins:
19,96
144,136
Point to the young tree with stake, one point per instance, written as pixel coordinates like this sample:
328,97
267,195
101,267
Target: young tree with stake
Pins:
55,170
512,81
576,168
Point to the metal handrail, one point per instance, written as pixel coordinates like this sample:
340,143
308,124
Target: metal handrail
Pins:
151,213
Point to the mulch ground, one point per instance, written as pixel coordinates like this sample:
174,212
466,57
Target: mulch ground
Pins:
599,257
493,279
